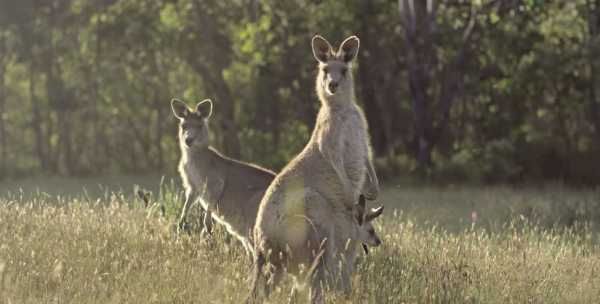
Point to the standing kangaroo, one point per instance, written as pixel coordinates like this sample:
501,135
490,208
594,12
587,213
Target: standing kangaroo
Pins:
229,190
307,211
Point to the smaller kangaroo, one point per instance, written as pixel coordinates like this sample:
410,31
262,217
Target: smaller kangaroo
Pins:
229,190
366,236
150,206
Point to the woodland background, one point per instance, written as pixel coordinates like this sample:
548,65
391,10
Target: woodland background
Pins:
484,91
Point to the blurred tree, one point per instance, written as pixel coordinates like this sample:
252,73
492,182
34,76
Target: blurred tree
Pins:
484,90
3,64
436,76
591,10
203,41
381,63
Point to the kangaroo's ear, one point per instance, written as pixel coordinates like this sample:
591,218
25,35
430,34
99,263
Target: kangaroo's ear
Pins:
204,108
375,213
349,49
359,210
144,196
180,109
362,203
321,49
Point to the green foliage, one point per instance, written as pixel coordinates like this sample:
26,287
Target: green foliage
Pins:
85,85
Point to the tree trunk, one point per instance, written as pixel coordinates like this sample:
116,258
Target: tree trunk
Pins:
432,111
98,160
37,122
158,130
228,122
61,102
378,119
223,105
253,7
211,71
593,7
417,30
3,140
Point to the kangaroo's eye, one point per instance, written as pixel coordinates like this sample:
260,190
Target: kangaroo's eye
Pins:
325,70
344,70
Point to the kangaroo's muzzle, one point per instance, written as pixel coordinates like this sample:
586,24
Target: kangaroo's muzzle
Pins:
332,87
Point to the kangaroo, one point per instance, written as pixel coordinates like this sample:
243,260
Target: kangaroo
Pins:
145,196
362,232
366,236
307,211
229,190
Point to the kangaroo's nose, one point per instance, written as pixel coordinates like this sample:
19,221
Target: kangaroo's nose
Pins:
188,141
333,87
377,242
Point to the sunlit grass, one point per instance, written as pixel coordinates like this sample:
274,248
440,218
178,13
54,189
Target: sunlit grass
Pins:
112,250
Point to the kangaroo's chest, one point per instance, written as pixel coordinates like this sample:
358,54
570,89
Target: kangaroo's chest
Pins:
349,126
203,180
194,175
356,149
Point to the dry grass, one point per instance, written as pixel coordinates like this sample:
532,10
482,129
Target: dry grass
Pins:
113,251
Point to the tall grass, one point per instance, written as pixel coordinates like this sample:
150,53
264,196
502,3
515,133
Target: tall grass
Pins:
112,250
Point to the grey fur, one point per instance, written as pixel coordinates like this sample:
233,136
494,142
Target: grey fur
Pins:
229,190
309,207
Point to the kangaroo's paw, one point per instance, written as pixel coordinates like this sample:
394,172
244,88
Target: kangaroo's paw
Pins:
181,227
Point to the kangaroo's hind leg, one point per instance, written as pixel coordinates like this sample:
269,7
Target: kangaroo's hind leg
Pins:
207,223
265,276
190,196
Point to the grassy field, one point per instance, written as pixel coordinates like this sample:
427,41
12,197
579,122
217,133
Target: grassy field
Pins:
61,244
